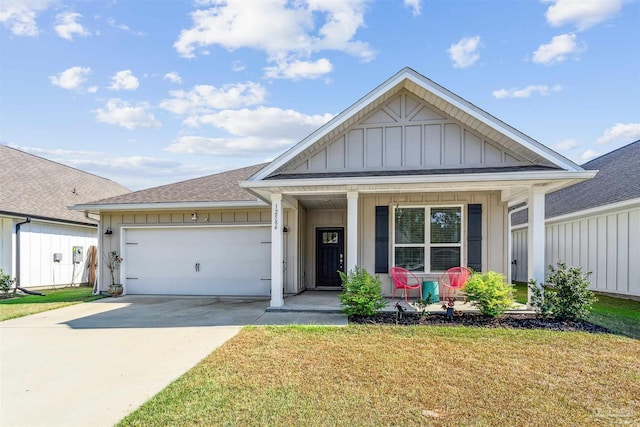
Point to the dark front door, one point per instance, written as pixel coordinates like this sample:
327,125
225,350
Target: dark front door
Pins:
329,256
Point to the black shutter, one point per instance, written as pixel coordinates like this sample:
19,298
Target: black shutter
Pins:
474,237
382,239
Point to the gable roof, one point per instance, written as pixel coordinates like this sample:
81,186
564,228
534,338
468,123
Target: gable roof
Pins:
40,188
618,180
440,99
212,190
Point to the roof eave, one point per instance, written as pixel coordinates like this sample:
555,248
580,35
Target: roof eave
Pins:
417,179
149,206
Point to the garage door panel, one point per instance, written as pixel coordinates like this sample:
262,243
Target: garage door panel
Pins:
231,261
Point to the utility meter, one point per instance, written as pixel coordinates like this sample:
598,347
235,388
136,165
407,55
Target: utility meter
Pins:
77,254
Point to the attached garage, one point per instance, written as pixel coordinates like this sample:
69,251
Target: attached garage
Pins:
199,260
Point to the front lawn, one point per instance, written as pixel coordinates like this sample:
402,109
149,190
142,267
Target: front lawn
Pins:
24,305
619,315
405,376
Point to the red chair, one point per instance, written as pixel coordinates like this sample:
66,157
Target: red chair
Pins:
401,278
452,282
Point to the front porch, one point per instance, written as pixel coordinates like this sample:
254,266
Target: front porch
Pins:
329,302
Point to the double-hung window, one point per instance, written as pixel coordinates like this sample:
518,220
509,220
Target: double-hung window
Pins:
427,238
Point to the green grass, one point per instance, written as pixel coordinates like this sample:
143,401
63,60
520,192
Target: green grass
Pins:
619,315
404,376
24,305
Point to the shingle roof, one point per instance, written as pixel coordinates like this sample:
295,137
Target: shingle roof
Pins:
617,181
220,187
37,187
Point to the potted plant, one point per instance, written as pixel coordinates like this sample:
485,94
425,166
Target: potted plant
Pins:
113,261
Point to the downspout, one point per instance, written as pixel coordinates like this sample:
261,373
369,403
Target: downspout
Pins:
18,225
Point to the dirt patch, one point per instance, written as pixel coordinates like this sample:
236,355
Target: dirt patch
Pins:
520,321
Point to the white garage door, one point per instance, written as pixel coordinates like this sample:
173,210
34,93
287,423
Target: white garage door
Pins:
198,261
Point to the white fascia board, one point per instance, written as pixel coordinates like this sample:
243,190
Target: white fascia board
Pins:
168,206
418,179
598,210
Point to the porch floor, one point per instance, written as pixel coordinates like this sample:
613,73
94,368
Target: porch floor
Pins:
329,302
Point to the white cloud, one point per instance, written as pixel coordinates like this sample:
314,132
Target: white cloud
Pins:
263,121
296,70
415,6
71,78
122,113
204,98
173,77
557,50
66,25
238,66
262,131
304,27
113,24
92,89
525,92
589,154
583,13
229,146
566,144
620,132
465,53
124,80
20,16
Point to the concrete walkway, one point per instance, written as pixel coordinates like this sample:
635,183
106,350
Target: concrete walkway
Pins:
91,364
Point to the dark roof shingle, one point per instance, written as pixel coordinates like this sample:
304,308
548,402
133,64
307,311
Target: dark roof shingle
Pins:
618,180
220,187
41,188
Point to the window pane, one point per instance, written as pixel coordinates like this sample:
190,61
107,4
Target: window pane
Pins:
445,225
410,225
443,259
329,237
410,258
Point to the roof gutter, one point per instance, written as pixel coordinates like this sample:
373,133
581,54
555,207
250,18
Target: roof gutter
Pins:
95,208
49,219
422,179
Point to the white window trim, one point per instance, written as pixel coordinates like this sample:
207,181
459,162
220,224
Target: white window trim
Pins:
427,245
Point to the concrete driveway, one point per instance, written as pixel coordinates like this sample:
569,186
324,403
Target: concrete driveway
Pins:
91,364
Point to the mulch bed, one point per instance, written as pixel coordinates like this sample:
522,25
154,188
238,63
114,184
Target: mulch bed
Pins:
520,321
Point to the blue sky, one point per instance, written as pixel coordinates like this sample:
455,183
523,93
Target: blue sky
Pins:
149,92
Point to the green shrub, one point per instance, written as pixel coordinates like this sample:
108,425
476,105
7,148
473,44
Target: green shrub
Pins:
489,292
566,294
5,282
361,294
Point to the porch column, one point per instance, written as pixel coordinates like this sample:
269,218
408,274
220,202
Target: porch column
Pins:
536,236
352,230
277,244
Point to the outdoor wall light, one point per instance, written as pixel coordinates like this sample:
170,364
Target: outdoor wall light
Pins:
194,216
109,232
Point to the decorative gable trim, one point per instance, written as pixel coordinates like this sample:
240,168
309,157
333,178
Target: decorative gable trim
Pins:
441,99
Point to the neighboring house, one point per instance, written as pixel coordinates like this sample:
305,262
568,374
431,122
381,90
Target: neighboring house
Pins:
39,190
594,225
410,175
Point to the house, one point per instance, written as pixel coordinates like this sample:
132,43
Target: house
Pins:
594,225
42,242
409,175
